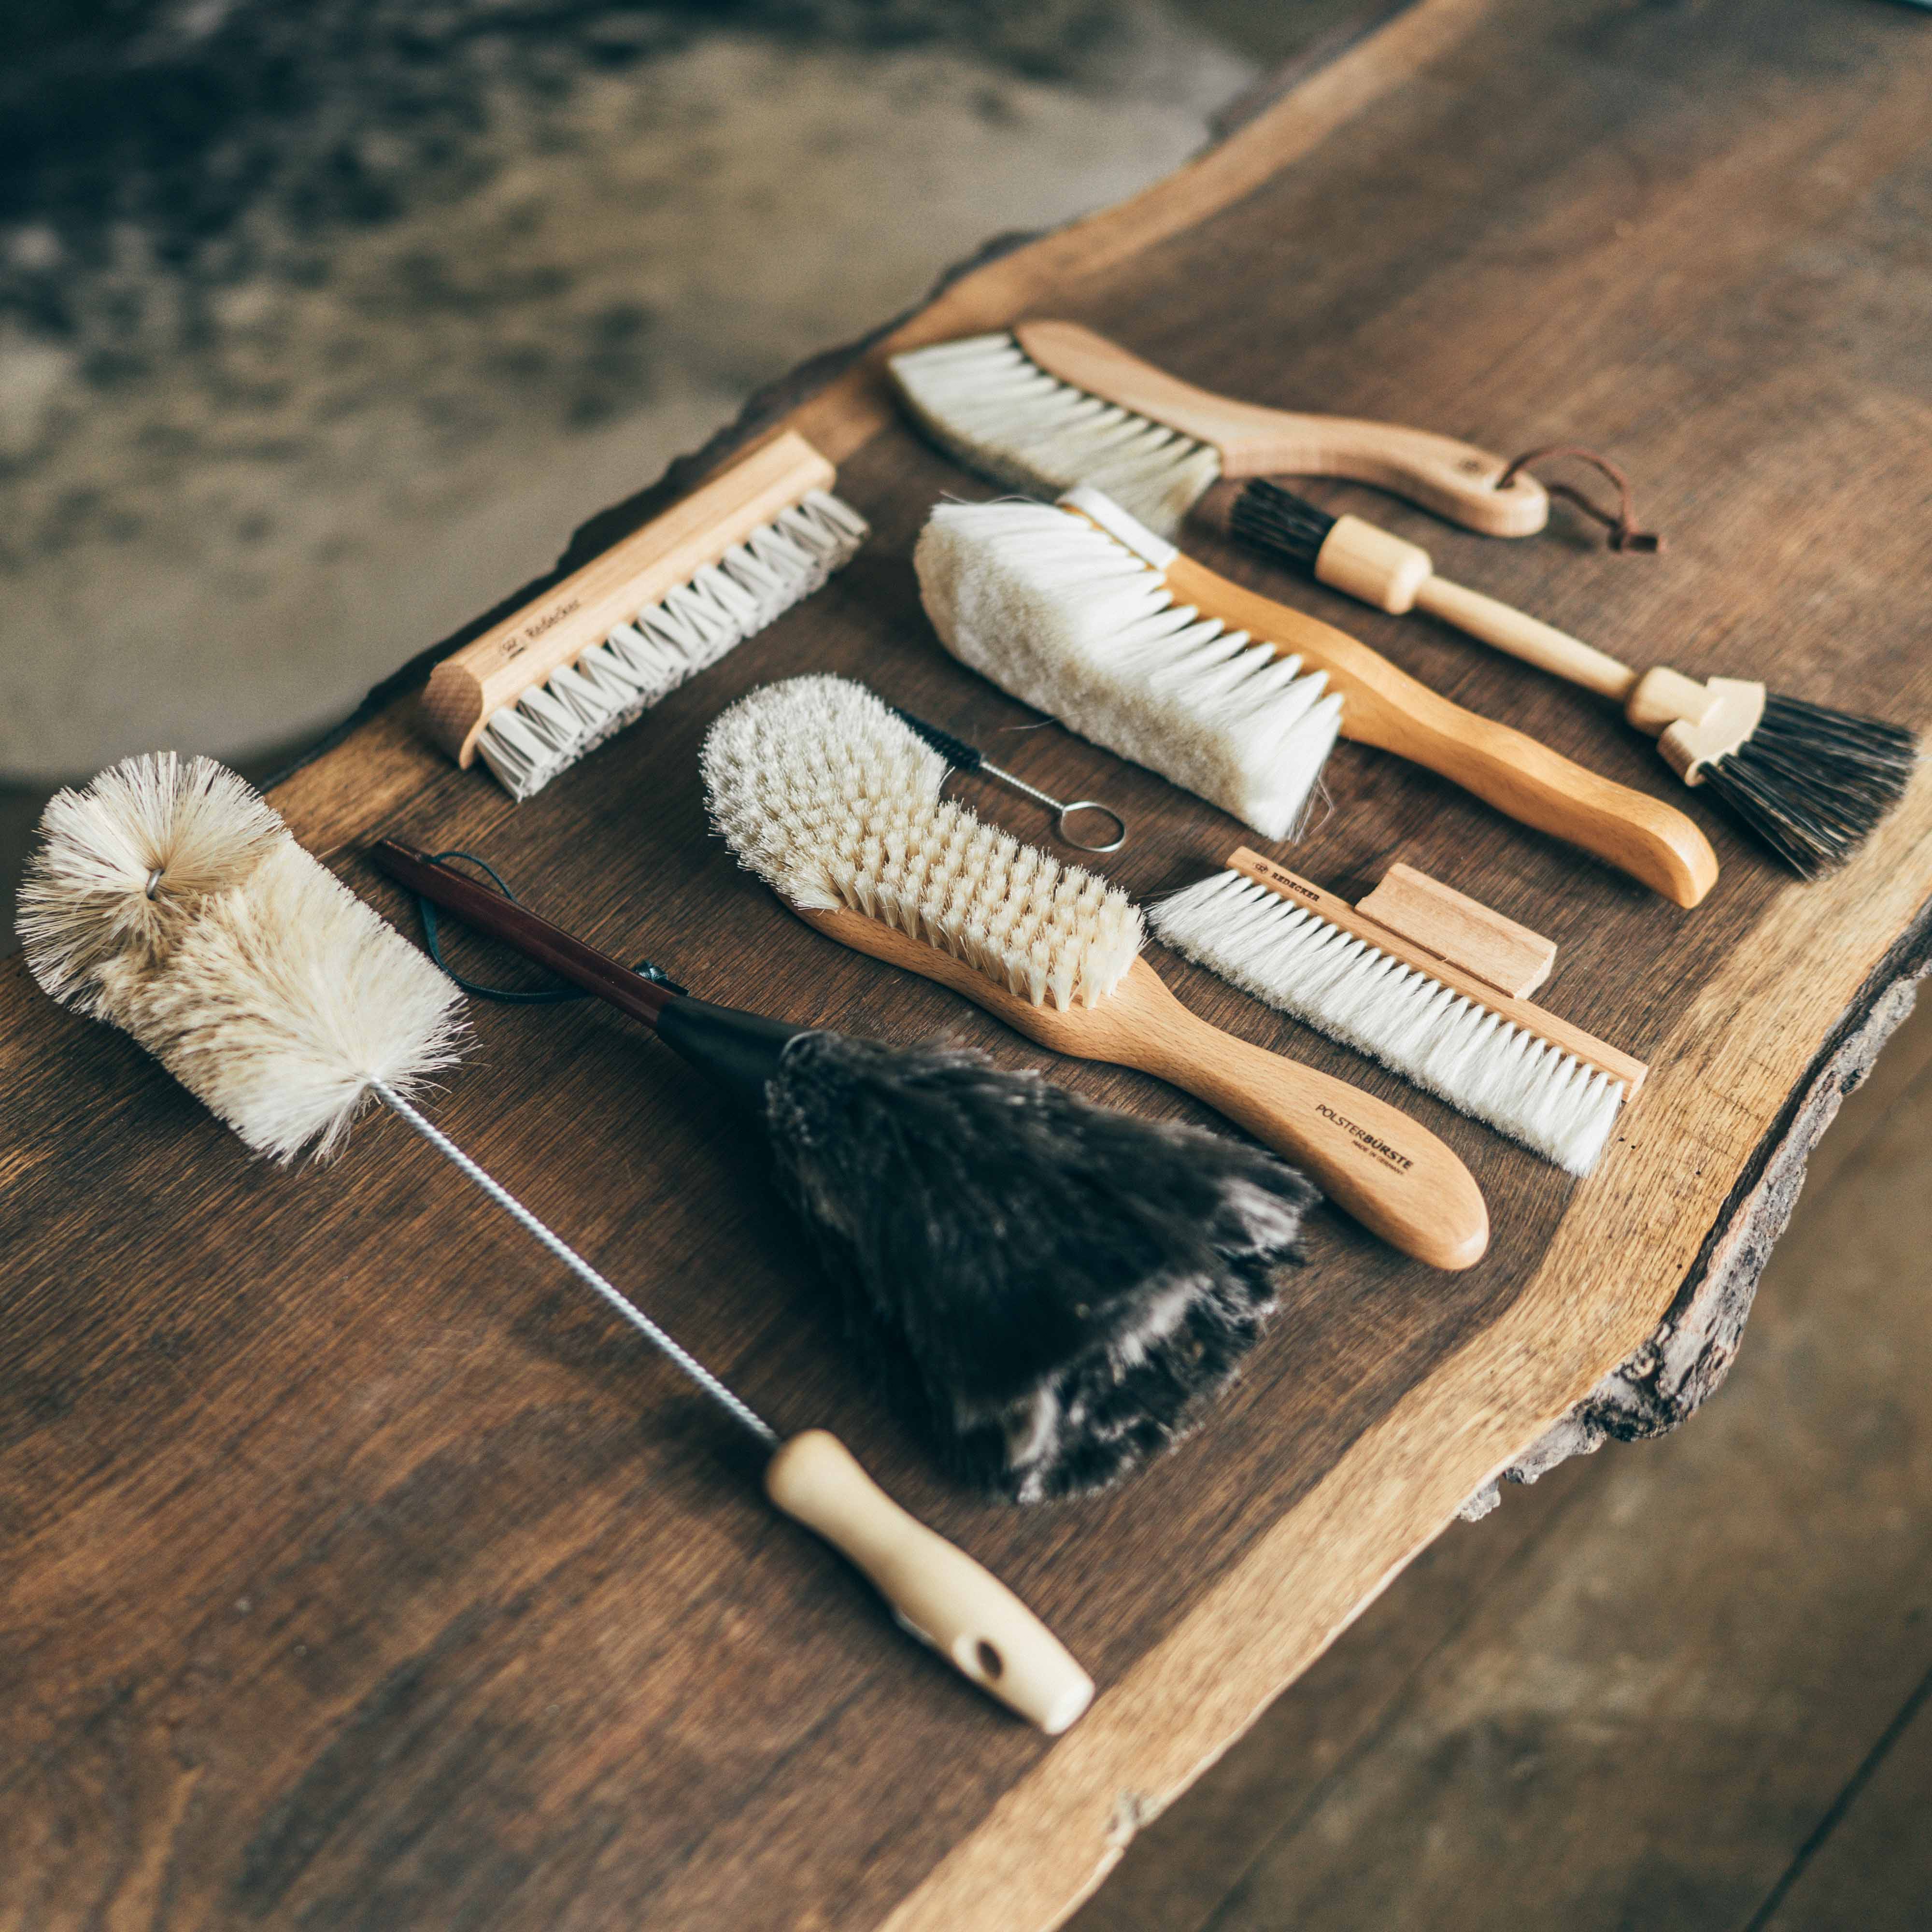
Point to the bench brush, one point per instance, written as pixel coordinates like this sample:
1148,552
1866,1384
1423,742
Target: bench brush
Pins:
830,798
1809,782
169,899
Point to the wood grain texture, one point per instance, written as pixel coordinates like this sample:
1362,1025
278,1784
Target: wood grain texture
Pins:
355,1574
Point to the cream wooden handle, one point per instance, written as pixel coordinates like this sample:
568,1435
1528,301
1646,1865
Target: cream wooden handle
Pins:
1387,1171
936,1590
1537,643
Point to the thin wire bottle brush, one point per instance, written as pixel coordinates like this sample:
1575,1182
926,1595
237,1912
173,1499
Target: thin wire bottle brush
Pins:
170,900
1081,611
1809,782
1052,405
831,799
535,693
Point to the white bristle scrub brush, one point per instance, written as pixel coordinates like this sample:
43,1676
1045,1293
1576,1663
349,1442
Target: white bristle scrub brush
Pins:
169,899
831,798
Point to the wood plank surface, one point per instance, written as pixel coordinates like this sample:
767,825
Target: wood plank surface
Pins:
356,1574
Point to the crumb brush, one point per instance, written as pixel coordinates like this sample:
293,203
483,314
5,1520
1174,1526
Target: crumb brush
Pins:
169,899
1052,404
833,802
553,680
1810,783
1081,611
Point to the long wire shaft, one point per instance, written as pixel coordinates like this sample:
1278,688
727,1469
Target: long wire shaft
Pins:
681,1357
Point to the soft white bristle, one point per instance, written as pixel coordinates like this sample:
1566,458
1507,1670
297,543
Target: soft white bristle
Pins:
1076,624
270,991
832,801
554,724
1488,1067
986,402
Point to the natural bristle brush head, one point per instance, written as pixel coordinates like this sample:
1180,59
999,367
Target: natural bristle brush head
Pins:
1070,614
825,792
168,898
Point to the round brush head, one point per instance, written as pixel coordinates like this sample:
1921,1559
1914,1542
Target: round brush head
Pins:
1053,1290
169,898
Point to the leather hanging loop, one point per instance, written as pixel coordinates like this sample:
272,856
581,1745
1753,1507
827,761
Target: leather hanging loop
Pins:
1624,533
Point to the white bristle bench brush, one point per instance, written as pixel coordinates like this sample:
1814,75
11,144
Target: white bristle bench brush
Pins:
170,900
553,680
1081,612
827,796
1052,404
1430,983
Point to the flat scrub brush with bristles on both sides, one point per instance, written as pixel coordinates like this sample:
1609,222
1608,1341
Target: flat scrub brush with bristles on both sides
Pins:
1051,405
1081,611
830,798
552,682
1809,782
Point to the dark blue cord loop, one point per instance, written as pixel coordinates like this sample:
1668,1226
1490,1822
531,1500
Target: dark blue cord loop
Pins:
511,996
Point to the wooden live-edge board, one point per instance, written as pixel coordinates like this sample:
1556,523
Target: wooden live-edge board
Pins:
353,1571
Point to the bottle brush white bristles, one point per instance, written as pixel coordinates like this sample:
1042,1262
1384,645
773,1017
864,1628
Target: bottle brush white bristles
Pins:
1076,623
825,792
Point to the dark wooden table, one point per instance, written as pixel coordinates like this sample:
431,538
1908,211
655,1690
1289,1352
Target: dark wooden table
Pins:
356,1573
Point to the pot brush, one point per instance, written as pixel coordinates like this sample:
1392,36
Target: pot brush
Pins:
169,899
1809,782
1081,611
833,801
1052,1289
1052,405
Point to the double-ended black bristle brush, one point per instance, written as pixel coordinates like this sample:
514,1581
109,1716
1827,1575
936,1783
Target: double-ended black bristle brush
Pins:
1809,782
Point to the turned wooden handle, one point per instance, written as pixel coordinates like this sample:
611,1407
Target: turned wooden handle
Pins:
1386,1170
1455,480
1652,841
937,1591
1524,637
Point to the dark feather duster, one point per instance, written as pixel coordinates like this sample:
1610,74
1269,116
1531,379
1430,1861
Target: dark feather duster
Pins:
1053,1289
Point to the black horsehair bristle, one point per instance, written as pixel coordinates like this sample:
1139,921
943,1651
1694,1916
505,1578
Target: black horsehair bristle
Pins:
1812,783
1286,526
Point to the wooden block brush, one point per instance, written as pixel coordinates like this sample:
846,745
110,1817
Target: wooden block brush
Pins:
833,801
550,683
169,899
1809,782
1430,983
1052,405
1082,612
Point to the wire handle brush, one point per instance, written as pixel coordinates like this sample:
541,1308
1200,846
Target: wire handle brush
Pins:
1809,782
170,900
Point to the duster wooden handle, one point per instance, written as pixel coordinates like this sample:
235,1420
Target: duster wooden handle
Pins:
1455,480
1524,637
936,1590
1639,835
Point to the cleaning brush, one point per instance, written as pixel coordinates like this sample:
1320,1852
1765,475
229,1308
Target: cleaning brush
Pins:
1083,612
1809,782
833,802
1427,982
169,899
1052,405
551,682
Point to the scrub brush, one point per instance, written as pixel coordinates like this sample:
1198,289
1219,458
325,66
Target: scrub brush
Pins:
1082,612
170,900
550,683
833,801
1427,982
1809,782
1052,405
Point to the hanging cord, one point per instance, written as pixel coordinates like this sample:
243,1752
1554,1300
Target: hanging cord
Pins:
681,1357
1624,533
511,996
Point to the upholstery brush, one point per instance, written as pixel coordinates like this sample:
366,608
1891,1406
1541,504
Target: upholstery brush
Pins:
554,680
833,801
1809,782
169,899
1052,405
1053,1289
1081,611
